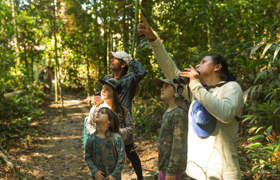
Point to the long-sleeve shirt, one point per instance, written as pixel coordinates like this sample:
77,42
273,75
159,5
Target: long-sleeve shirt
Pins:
172,144
126,125
129,82
215,156
106,155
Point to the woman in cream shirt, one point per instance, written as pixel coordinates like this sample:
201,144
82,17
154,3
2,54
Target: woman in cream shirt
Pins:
212,153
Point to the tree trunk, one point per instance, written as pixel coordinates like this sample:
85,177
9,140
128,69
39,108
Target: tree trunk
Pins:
87,63
208,27
125,29
147,6
109,45
25,57
108,50
32,64
134,39
57,67
16,35
105,42
105,47
55,50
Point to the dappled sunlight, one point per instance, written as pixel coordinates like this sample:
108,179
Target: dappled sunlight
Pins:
73,101
75,114
37,154
36,172
66,137
56,151
46,146
23,158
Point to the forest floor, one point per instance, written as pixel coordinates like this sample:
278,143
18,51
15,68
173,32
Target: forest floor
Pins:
54,150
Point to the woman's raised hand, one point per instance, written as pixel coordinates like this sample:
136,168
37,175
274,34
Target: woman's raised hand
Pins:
144,28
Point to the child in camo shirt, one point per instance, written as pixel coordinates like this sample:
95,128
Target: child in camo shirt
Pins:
172,145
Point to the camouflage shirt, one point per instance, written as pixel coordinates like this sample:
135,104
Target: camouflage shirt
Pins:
172,145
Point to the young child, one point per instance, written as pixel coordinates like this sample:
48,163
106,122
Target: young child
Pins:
104,152
172,145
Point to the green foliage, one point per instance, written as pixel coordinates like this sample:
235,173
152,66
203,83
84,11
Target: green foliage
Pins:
18,111
262,155
262,113
147,114
6,52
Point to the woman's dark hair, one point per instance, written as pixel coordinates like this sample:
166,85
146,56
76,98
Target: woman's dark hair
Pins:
116,105
116,102
114,121
225,74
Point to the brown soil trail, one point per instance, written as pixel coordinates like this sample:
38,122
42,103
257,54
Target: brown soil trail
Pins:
56,153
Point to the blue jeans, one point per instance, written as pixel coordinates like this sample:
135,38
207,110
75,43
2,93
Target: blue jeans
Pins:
85,136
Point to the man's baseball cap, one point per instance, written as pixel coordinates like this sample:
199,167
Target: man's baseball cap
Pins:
203,122
122,55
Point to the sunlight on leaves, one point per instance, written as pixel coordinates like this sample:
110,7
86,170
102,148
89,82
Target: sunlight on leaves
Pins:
266,48
254,49
276,52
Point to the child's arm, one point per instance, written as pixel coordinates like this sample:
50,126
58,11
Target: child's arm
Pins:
178,154
120,150
88,157
90,127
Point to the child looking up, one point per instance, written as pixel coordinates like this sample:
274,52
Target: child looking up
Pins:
104,152
172,144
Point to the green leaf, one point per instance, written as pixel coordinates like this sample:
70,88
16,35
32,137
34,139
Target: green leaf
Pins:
260,128
252,90
276,110
255,137
268,130
249,118
277,149
254,49
253,145
262,161
268,147
266,48
269,96
260,75
246,95
276,52
252,129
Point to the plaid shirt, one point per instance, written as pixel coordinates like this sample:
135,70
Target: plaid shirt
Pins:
129,82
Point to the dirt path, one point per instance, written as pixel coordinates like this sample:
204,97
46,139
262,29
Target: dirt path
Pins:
56,153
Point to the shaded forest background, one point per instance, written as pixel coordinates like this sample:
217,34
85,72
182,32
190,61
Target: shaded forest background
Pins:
71,39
